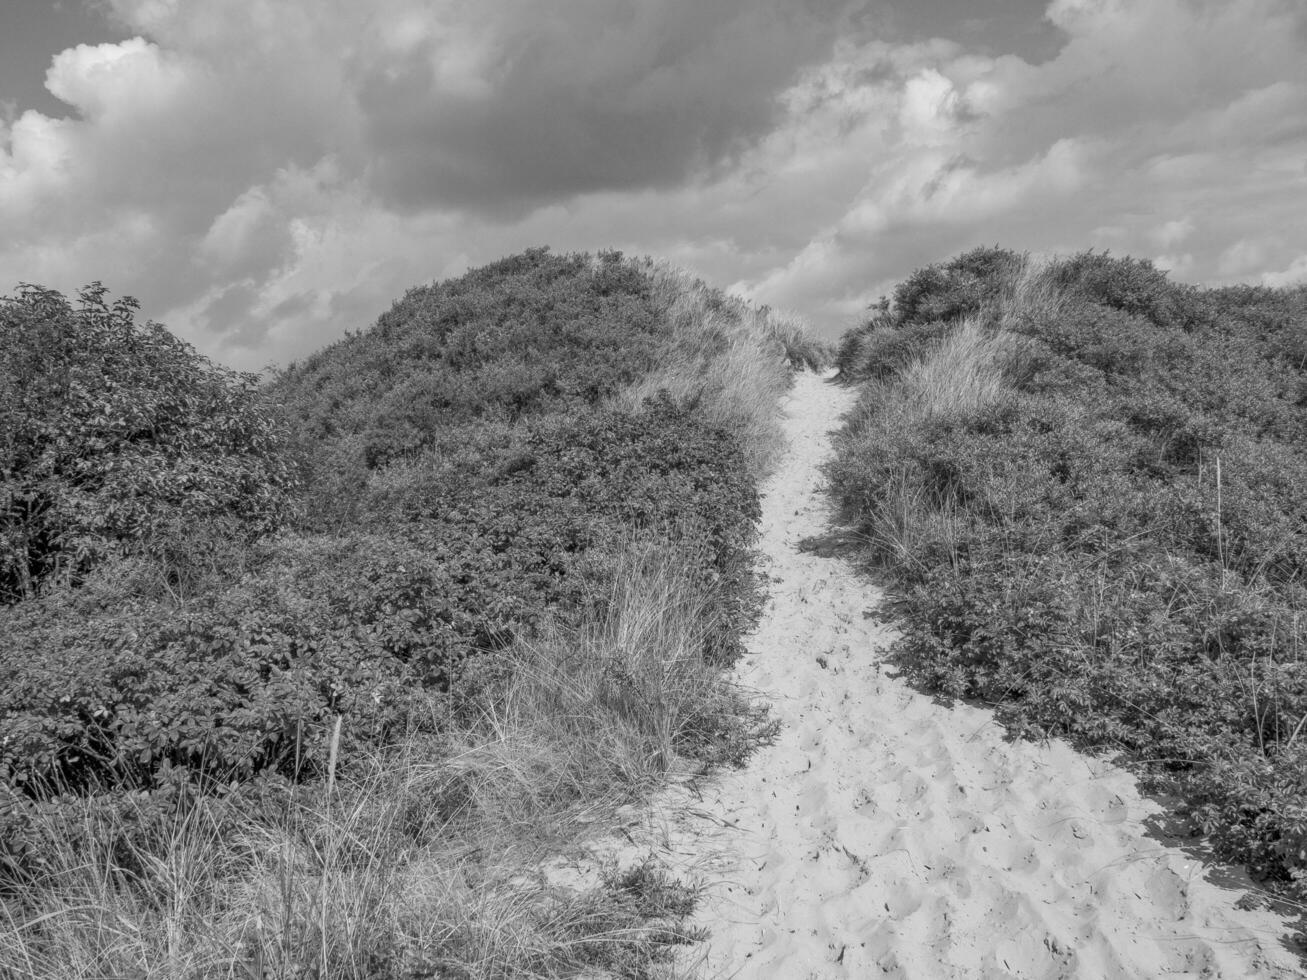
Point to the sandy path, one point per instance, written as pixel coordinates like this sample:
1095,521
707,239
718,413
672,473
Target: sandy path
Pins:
886,835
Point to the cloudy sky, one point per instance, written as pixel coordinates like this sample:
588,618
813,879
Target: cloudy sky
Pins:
267,174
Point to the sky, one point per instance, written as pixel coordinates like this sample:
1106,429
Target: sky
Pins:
264,175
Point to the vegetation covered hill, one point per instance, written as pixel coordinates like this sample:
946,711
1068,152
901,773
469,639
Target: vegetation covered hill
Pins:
1087,482
528,335
306,677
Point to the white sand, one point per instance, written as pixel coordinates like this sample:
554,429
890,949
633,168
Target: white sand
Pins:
884,834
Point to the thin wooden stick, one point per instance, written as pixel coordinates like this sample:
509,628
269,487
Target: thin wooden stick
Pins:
332,753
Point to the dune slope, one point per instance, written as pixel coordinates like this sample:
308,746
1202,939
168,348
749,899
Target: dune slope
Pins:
885,834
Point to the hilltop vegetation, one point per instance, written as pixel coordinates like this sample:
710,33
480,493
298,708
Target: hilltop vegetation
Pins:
419,600
1086,482
527,335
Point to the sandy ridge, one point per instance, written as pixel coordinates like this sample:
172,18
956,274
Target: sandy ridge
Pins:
884,834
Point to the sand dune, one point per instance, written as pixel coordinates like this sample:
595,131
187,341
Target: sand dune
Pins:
884,834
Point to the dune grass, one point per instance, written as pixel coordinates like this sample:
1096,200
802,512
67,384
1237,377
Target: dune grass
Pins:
1029,295
730,359
909,507
425,858
961,376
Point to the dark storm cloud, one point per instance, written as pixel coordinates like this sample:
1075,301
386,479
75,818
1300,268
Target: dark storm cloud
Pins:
989,27
532,103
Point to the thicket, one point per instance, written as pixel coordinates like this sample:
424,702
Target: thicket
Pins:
485,488
532,334
118,439
1087,483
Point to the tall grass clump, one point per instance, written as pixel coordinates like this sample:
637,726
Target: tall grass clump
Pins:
908,502
1030,295
961,377
1085,482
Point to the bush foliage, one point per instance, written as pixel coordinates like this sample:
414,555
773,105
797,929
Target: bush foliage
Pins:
116,438
1112,547
469,479
530,334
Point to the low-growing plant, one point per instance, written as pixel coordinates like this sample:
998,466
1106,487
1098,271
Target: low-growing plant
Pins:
145,695
965,286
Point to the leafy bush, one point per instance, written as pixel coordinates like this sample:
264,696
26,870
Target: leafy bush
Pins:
1130,286
346,624
959,288
1115,549
881,347
117,438
113,694
531,334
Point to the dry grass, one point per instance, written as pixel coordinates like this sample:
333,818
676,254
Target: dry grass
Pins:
732,361
963,375
910,512
1032,296
910,522
632,687
691,303
424,860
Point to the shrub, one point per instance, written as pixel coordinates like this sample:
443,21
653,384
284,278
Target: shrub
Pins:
118,439
531,334
881,348
959,288
423,855
142,696
1130,286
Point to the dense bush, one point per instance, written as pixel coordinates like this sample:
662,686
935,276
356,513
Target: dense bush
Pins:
117,438
532,333
964,286
469,489
882,347
1114,550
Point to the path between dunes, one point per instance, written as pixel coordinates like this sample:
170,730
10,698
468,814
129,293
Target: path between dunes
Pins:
884,834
